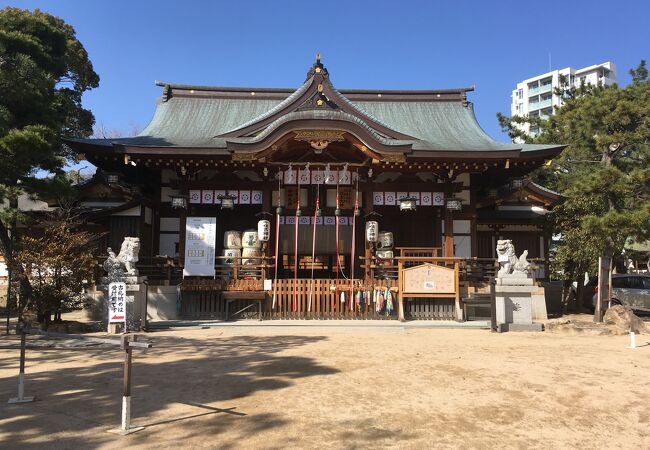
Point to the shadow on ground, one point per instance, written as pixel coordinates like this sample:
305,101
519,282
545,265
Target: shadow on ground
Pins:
201,378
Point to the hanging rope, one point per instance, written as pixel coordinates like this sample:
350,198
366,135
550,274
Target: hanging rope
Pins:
295,246
354,222
278,210
337,213
313,243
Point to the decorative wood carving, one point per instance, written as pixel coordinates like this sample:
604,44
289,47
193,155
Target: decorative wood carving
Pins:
319,139
397,157
244,156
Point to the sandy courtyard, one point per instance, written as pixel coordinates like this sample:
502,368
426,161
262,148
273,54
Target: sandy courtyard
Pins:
330,387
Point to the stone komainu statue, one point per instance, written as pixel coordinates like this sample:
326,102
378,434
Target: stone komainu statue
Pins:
508,261
123,264
129,255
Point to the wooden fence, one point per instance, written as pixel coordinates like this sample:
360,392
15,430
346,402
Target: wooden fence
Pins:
201,299
325,301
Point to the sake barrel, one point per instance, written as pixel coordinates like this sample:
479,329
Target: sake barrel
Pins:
251,256
232,239
372,229
250,240
384,254
384,257
385,240
264,230
231,254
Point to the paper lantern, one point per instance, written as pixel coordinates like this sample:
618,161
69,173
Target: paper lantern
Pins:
372,229
407,204
264,230
454,204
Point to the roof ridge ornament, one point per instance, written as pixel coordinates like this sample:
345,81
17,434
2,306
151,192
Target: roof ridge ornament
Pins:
317,68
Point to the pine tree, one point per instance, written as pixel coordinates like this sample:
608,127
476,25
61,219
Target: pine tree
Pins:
44,70
604,173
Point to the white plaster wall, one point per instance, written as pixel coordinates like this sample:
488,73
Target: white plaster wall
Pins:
170,224
167,245
463,246
162,302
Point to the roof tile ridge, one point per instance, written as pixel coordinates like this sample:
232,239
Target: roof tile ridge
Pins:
361,110
297,93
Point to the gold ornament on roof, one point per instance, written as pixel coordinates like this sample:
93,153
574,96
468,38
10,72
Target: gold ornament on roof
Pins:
396,157
244,156
319,139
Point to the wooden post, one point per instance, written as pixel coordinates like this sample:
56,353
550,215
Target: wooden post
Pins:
493,306
449,225
459,311
609,284
400,299
598,310
126,427
181,237
144,306
21,373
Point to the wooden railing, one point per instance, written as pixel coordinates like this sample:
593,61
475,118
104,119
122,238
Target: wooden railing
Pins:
471,269
160,269
237,270
414,252
208,284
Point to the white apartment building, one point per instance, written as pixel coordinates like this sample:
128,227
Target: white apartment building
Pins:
535,96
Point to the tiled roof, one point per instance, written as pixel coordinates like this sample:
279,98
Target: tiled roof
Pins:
198,117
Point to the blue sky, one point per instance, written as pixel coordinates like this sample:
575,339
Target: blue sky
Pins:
364,44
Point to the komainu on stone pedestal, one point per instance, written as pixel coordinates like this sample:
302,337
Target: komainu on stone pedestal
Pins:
114,267
123,264
508,261
129,255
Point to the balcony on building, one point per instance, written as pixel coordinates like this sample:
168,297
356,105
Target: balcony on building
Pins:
540,87
540,104
546,113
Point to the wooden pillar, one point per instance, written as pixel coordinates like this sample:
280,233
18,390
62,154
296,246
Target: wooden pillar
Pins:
449,233
474,216
368,208
400,297
181,237
448,247
459,310
267,192
182,223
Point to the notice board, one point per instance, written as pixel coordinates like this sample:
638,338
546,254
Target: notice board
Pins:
429,279
200,239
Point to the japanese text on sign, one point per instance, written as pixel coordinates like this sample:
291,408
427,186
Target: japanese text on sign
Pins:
117,303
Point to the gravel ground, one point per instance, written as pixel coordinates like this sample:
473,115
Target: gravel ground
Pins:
336,387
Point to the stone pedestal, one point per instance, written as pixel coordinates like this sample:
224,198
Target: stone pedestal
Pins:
518,303
97,310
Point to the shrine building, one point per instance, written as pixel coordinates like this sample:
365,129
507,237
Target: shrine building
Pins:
348,184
